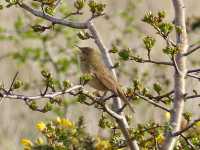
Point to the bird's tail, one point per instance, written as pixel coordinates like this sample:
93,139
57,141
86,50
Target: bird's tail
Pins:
124,98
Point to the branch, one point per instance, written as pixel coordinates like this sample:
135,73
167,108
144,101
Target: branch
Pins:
179,79
53,19
152,102
187,128
193,76
157,62
194,70
101,46
164,95
192,96
123,124
37,97
192,50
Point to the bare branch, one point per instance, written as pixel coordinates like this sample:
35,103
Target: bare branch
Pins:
12,83
176,66
152,102
192,96
193,76
194,70
192,50
157,62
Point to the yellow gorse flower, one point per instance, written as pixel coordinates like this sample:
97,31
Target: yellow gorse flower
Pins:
103,145
64,122
26,142
41,126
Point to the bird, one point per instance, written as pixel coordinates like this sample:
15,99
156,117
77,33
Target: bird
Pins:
92,63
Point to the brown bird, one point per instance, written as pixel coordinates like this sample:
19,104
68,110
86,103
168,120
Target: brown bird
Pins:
91,62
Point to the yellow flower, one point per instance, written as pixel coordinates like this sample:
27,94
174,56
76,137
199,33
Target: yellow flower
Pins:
39,141
26,143
41,126
66,123
103,145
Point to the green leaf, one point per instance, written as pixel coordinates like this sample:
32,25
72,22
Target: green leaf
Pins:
157,87
81,98
166,28
85,78
48,107
79,4
124,54
149,42
17,84
50,10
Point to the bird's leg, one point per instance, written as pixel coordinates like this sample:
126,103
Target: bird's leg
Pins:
104,95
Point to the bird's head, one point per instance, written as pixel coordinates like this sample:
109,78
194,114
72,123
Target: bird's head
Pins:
86,50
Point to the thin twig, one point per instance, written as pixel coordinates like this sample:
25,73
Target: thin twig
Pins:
192,96
157,62
188,142
194,70
192,50
13,81
179,77
193,76
164,95
152,102
176,66
53,19
186,129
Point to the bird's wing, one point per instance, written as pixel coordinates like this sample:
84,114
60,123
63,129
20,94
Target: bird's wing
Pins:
105,77
111,84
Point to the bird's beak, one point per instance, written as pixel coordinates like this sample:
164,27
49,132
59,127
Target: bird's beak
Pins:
78,47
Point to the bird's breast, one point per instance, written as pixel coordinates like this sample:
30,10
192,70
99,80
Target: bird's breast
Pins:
95,83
